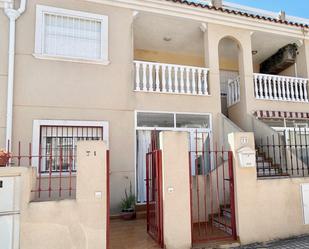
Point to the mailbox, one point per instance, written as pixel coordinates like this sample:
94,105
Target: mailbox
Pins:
246,157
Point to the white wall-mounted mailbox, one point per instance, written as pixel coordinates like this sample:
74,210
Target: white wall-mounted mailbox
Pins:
246,157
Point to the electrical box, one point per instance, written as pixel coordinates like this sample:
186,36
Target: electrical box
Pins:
9,194
305,201
9,212
247,157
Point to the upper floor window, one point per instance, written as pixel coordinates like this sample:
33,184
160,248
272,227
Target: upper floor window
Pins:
72,35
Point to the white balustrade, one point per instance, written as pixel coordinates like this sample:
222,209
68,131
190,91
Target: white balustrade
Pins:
233,91
169,78
283,88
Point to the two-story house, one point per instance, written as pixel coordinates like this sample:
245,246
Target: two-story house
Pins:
117,70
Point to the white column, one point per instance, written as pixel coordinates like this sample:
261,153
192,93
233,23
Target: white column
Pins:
150,78
280,88
193,81
182,89
176,79
275,83
164,78
144,77
157,78
265,82
306,90
287,85
292,89
256,87
137,76
205,71
188,80
301,92
169,67
199,83
269,80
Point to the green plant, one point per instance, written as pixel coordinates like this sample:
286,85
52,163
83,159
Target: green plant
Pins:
128,202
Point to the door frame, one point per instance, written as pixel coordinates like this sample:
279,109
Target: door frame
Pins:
136,128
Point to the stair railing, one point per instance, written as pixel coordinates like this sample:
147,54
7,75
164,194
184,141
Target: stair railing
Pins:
284,152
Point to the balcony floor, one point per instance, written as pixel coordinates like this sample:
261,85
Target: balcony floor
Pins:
130,235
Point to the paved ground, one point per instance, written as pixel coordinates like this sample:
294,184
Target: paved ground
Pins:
130,235
292,243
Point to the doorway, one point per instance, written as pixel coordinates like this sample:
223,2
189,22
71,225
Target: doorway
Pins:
229,74
194,124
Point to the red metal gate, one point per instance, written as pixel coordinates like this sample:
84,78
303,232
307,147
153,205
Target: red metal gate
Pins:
212,196
154,195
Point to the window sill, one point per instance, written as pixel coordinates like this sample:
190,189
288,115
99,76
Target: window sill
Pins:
68,59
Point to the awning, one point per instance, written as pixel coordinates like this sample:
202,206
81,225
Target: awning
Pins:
281,114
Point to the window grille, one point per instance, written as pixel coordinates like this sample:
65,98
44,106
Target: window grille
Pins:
59,143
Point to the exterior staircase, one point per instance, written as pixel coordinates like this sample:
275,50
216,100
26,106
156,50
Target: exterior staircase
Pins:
266,167
222,221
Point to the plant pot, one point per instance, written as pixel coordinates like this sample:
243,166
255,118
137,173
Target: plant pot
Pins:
129,214
4,160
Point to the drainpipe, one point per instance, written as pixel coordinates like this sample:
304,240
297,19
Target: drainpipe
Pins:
13,15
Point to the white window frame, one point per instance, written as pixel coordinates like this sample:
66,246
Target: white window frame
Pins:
209,129
41,10
38,123
136,128
301,125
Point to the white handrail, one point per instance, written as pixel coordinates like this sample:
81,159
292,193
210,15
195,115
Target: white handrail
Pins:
233,91
170,78
281,88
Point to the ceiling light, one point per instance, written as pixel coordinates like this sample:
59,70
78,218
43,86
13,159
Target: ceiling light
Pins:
167,38
254,52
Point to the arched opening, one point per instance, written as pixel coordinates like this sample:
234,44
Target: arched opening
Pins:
229,52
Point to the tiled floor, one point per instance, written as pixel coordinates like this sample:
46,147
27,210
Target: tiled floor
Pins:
200,233
130,235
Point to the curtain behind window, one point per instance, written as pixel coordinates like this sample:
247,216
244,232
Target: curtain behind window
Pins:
143,142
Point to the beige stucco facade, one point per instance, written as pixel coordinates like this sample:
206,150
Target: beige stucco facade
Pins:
66,90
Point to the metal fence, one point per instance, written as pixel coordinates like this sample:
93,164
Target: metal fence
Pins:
285,154
212,195
55,170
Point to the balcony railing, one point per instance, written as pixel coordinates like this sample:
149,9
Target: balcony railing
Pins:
233,91
169,78
276,87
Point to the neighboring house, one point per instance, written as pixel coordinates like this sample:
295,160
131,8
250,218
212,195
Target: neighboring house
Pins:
117,70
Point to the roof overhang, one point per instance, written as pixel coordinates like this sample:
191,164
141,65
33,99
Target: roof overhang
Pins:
209,16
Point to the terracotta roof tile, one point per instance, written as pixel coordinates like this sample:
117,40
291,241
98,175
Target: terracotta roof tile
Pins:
240,13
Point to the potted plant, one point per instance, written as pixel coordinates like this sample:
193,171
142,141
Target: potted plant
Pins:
128,205
4,157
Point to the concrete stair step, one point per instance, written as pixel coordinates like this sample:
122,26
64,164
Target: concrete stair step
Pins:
261,174
217,245
267,170
226,212
263,164
223,223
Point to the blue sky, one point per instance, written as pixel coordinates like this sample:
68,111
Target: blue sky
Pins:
298,8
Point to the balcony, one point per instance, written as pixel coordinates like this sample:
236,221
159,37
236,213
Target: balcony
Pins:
280,88
170,78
